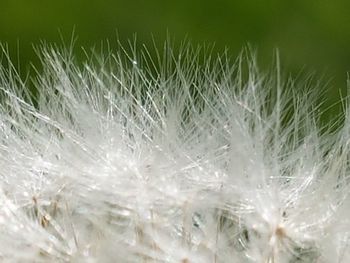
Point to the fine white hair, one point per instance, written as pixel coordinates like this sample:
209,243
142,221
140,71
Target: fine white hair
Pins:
172,157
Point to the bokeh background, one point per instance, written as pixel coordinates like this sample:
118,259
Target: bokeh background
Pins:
311,35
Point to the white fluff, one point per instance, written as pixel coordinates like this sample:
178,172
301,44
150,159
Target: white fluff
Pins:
129,159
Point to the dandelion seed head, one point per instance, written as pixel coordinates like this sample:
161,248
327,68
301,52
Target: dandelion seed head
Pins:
175,160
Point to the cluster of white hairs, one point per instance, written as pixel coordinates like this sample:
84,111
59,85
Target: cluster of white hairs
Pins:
187,157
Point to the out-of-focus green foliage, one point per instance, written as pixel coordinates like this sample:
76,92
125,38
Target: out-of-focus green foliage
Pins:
310,34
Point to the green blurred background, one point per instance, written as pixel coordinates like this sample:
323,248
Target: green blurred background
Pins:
312,35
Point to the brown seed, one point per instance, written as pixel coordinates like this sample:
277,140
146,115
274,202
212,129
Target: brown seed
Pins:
280,233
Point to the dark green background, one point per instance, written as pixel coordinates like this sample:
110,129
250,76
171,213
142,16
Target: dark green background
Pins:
311,35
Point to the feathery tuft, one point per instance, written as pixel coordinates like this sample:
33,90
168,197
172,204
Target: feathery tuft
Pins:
186,158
